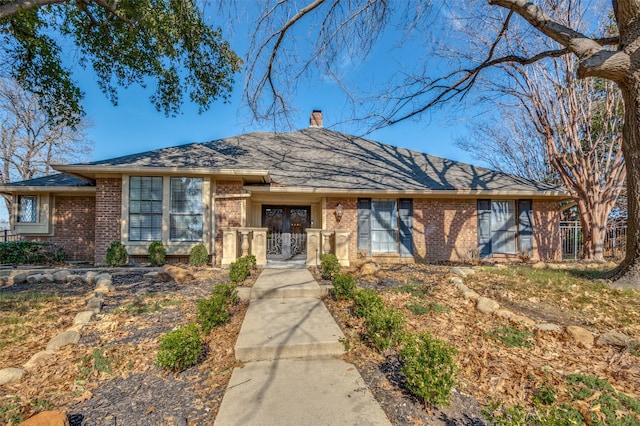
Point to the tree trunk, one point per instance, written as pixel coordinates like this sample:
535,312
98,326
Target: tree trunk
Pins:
628,272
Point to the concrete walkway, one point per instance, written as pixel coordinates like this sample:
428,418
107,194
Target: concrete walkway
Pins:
290,344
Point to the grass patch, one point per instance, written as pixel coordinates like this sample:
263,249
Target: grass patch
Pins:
511,337
14,411
606,406
22,303
417,308
416,290
145,305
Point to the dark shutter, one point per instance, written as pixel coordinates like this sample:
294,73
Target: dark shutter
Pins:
406,228
364,225
484,227
525,225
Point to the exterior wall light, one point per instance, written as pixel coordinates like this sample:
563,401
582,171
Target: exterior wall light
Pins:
339,212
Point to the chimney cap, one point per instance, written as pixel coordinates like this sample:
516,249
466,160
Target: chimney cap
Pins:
316,118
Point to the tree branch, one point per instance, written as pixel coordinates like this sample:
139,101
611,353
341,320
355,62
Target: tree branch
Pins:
12,8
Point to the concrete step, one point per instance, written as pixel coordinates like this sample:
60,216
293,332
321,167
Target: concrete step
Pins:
288,328
282,283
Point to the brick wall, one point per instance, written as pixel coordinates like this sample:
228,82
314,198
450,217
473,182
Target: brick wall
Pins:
546,230
349,221
444,229
73,227
108,215
228,211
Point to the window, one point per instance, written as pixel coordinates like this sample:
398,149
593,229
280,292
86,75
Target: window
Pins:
27,208
502,224
186,209
145,208
384,226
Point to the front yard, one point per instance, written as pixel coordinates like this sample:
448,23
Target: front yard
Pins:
514,374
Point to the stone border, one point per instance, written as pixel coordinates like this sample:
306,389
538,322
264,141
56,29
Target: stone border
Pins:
71,336
583,337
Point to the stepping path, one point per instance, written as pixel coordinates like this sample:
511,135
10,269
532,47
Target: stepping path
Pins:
292,375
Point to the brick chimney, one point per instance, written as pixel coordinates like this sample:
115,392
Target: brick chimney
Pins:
316,118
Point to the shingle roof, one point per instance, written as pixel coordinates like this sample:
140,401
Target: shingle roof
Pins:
319,158
57,179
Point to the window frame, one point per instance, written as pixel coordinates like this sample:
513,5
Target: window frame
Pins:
392,244
176,213
151,214
35,212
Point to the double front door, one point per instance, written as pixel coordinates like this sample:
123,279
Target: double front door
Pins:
286,237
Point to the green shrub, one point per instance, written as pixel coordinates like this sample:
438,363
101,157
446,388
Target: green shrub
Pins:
199,255
180,348
117,254
366,301
329,265
213,312
252,261
26,252
383,327
429,366
344,285
227,290
157,253
240,269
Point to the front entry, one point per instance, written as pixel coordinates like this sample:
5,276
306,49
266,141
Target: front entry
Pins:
286,237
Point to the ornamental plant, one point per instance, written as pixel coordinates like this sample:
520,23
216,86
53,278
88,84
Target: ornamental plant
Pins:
329,265
180,348
157,253
199,255
429,366
117,254
344,285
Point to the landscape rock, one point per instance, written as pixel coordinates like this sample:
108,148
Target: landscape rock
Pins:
486,305
47,418
11,374
505,313
584,338
523,320
95,305
89,276
19,278
463,271
548,327
470,294
152,274
69,337
539,265
175,274
455,280
61,276
369,268
47,278
104,284
102,276
73,278
33,279
613,338
37,358
83,317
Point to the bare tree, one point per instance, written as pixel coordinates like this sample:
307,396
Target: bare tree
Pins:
353,26
30,141
576,125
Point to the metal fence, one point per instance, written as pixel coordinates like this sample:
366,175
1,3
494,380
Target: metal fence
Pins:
7,235
572,242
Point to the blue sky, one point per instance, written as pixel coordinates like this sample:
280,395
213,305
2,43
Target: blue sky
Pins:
135,126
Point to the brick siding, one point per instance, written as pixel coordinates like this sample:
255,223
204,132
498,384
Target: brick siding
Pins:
108,215
546,230
444,229
349,221
228,212
73,221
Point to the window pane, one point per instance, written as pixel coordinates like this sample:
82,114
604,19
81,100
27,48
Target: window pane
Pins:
503,226
145,208
186,209
384,226
27,208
